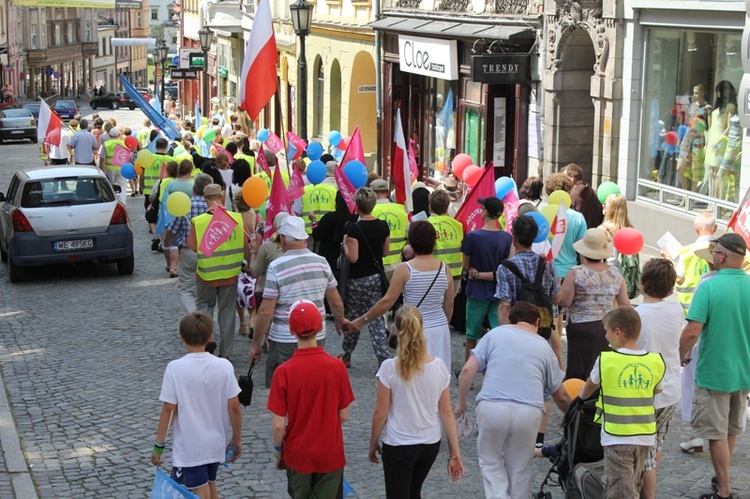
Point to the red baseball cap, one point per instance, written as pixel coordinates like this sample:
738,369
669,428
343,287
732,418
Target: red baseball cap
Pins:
305,319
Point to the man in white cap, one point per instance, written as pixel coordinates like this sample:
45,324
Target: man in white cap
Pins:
297,274
106,153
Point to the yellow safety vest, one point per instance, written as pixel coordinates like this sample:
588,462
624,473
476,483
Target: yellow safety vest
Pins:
267,179
109,147
626,399
163,186
394,215
143,135
250,161
320,199
694,267
450,233
226,261
151,174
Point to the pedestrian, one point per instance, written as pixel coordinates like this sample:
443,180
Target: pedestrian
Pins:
510,404
151,174
398,223
183,183
199,393
661,326
413,400
530,192
297,274
718,315
630,377
83,144
319,200
450,234
217,274
246,283
688,265
60,155
112,171
583,198
309,398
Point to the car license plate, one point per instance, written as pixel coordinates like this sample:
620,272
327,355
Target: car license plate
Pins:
16,131
78,244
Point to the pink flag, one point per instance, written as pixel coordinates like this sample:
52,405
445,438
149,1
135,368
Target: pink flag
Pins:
218,231
274,143
345,188
221,149
354,149
470,213
413,169
260,159
400,165
558,229
121,155
258,78
278,202
510,208
296,185
296,146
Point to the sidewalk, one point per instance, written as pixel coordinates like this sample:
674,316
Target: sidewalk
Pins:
15,480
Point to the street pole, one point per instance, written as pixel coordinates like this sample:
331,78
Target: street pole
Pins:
303,88
163,77
205,84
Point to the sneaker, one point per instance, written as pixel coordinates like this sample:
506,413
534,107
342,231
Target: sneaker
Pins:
457,375
692,446
155,244
211,347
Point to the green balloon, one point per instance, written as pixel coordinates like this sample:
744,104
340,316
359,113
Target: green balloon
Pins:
606,189
209,135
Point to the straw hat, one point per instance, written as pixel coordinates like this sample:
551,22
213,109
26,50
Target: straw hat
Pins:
594,245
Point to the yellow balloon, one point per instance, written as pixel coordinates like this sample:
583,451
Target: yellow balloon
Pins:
559,197
200,131
178,204
145,157
549,212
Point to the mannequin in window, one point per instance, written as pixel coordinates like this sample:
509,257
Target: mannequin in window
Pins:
725,107
698,107
730,164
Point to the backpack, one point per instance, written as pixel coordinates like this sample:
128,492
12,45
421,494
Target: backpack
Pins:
630,267
534,293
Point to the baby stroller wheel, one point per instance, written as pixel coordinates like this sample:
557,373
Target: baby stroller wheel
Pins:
548,495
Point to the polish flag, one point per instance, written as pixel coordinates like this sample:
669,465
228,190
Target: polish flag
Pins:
49,127
296,185
278,202
218,231
262,161
354,150
400,165
558,228
258,82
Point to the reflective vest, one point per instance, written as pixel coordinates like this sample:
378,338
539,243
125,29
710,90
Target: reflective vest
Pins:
267,179
250,161
143,135
320,199
226,261
394,215
151,174
693,268
626,399
450,233
109,147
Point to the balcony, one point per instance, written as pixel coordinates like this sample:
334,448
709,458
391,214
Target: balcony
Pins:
496,7
225,15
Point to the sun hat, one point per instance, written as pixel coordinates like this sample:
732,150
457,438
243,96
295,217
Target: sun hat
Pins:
293,227
212,190
594,245
305,319
280,217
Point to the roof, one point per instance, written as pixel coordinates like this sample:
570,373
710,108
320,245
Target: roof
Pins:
454,29
46,172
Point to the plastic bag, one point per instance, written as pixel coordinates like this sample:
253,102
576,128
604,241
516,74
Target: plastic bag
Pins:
463,426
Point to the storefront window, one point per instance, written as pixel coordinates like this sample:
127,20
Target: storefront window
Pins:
691,135
442,137
471,134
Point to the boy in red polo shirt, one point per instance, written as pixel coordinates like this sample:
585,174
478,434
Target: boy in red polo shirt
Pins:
309,398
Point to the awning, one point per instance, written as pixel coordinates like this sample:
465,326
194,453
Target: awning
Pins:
452,29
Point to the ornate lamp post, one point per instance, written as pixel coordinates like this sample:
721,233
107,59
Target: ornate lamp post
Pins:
205,36
302,12
163,54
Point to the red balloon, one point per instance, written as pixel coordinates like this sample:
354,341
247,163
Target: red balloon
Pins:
343,144
459,164
671,138
628,241
131,142
471,175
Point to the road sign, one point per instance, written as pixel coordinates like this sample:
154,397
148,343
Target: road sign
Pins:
196,60
184,74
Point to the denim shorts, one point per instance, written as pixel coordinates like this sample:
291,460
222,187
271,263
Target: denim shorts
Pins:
195,476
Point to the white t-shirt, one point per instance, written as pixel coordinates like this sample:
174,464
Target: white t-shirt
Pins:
661,327
607,439
201,386
226,130
226,176
413,416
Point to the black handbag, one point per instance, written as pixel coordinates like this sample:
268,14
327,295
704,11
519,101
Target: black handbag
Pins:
246,385
384,283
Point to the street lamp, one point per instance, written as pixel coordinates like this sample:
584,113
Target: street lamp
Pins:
205,35
163,52
301,19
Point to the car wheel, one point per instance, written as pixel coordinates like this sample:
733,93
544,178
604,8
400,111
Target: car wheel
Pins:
93,105
3,255
34,140
126,265
115,106
15,272
1,140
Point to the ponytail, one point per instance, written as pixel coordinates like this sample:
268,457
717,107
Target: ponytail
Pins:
412,345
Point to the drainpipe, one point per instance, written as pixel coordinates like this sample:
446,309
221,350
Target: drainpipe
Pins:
378,91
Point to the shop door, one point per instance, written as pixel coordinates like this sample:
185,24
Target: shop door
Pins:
472,121
413,131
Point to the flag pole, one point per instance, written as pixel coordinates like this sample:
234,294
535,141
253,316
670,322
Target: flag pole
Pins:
281,118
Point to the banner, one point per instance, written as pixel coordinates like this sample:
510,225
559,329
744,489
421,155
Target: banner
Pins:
159,121
84,4
274,143
296,146
121,155
262,161
278,202
166,488
354,151
558,229
740,221
345,188
218,231
510,209
470,213
296,185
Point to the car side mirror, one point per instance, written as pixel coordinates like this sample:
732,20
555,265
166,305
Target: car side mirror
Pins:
2,197
117,189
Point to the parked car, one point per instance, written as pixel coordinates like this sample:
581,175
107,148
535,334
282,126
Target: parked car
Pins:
17,124
63,214
114,100
66,109
34,108
145,92
172,91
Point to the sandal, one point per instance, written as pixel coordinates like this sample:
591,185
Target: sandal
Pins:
346,359
243,328
714,495
250,332
172,273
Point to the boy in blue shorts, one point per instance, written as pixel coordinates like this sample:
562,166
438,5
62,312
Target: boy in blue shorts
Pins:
199,392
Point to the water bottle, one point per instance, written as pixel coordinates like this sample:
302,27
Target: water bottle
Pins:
231,452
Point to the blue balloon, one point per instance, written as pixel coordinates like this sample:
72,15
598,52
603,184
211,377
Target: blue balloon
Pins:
541,222
262,135
334,137
681,131
356,172
316,172
314,150
503,186
128,171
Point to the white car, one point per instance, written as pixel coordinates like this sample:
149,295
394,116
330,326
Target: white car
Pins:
63,214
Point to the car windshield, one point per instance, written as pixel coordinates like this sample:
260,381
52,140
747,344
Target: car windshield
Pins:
63,104
66,191
16,113
32,107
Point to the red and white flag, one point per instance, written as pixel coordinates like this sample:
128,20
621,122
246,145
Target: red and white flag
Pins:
400,165
262,161
278,202
296,185
274,143
354,150
740,221
345,188
49,126
218,231
558,228
470,213
258,81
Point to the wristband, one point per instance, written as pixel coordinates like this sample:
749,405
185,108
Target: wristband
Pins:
160,446
158,450
279,448
279,457
454,458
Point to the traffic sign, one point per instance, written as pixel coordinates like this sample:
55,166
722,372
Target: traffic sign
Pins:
184,74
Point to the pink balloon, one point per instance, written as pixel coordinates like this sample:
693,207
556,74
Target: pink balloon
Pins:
459,163
628,241
471,175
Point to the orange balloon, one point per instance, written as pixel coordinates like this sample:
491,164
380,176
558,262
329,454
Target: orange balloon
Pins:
254,192
573,385
138,168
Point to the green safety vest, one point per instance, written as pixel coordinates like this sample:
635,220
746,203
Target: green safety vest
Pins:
450,233
694,267
320,199
226,261
151,174
394,215
109,147
626,399
250,160
267,179
142,136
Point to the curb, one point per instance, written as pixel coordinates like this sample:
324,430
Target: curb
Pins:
23,485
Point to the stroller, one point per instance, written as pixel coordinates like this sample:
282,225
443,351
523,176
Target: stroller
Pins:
579,462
